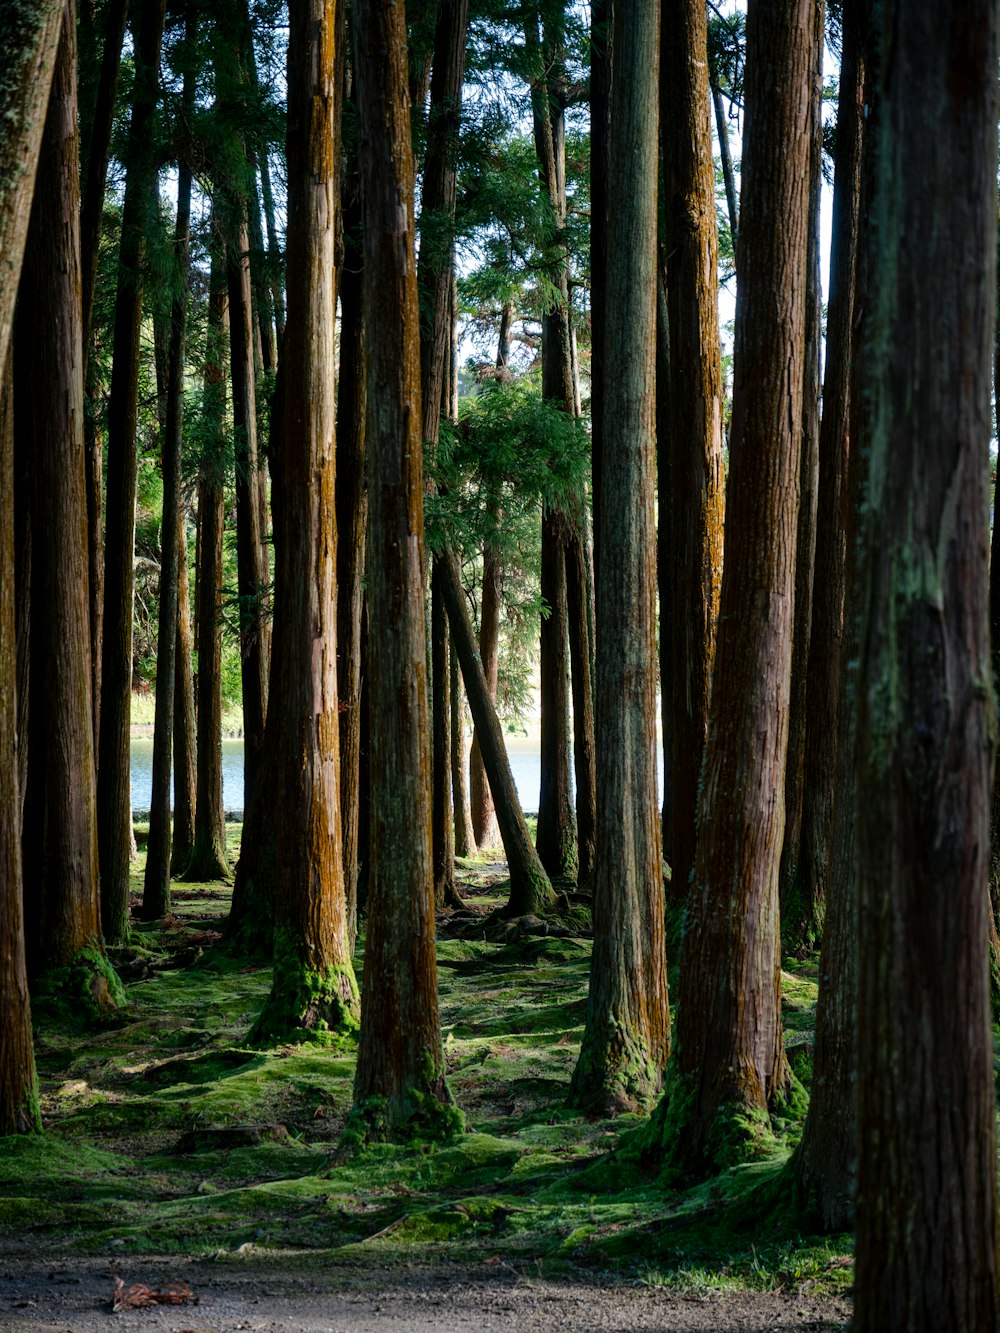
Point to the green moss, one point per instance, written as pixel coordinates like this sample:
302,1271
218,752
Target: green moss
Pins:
306,1004
82,992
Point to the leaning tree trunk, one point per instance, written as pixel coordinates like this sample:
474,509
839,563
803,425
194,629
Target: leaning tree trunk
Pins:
697,485
927,1191
208,855
442,823
60,828
19,1111
400,1086
484,819
156,887
114,792
729,1066
626,1041
313,991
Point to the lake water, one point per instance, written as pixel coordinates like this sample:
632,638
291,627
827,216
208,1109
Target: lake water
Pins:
523,754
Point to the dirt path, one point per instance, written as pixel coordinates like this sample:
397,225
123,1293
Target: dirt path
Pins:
73,1296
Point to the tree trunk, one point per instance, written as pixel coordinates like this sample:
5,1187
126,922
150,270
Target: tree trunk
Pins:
484,819
601,19
114,792
825,1162
313,991
726,157
29,39
465,838
442,825
60,830
802,921
530,890
927,1194
400,1086
730,1064
352,524
156,885
185,743
249,551
208,855
664,572
626,1041
19,1111
273,250
821,787
579,607
555,839
697,497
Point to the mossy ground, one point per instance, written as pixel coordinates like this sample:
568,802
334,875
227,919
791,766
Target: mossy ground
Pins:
166,1131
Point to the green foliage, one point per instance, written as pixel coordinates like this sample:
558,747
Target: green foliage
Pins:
83,992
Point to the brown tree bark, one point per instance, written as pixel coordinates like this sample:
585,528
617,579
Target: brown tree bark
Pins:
400,1084
156,884
352,524
729,1066
60,829
697,497
927,1192
442,822
484,820
825,1162
19,1110
465,838
208,856
626,1041
802,921
114,795
313,989
251,576
185,735
579,609
601,20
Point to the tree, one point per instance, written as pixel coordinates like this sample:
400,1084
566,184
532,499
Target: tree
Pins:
114,795
400,1081
156,895
626,1041
927,1196
208,854
313,988
60,830
697,498
729,1065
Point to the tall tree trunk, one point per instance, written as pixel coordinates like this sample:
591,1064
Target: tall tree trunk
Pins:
626,1041
825,1162
927,1192
60,829
273,249
352,524
156,885
185,743
826,656
579,608
697,498
434,287
725,155
249,550
313,988
802,921
484,820
208,856
601,19
19,1111
664,567
730,1066
465,838
114,794
400,1085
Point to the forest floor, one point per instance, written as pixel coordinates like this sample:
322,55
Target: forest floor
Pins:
175,1152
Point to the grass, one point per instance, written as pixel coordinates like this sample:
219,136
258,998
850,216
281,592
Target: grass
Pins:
166,1132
